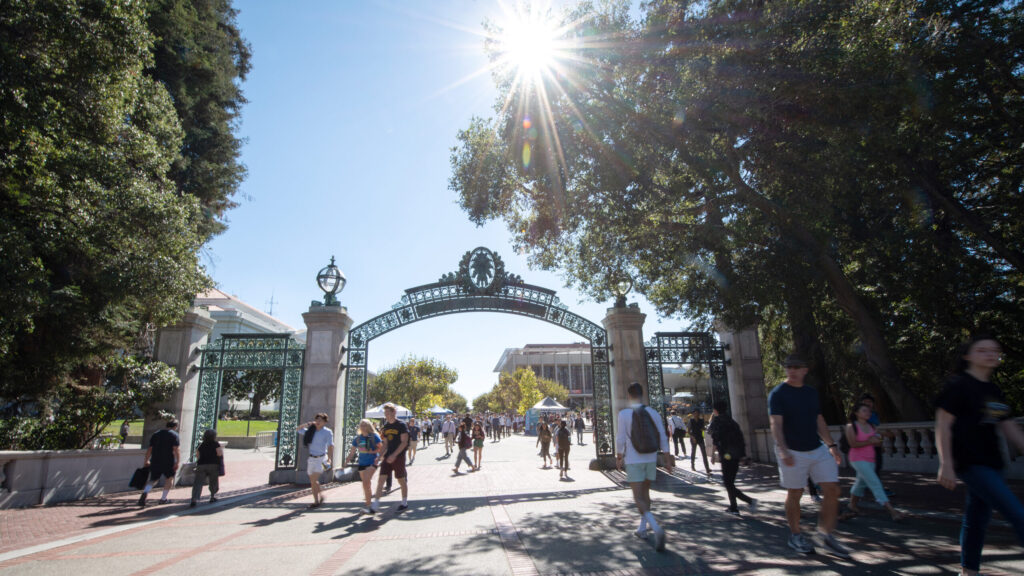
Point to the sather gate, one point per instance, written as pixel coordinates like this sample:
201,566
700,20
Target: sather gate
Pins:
481,284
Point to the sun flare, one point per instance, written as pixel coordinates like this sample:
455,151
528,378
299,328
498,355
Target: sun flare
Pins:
530,42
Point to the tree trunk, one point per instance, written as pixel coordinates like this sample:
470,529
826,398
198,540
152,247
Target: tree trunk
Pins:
907,405
807,342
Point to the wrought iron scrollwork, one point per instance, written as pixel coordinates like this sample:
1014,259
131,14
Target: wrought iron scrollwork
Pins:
480,285
239,352
699,348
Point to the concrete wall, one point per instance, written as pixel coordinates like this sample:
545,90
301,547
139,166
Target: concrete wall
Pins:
46,477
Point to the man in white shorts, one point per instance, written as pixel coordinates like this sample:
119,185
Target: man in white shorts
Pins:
641,468
805,448
320,449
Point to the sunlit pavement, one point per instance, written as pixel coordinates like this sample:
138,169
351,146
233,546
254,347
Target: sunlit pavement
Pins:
512,517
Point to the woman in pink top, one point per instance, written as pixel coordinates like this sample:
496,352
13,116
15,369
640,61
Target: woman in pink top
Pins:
863,438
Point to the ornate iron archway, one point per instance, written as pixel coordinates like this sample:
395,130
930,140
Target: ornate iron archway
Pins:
481,284
695,348
267,352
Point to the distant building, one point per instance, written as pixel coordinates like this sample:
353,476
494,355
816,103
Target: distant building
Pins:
233,316
567,364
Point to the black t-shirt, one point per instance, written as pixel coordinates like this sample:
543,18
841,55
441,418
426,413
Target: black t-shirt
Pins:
393,434
414,433
564,437
799,409
163,442
697,429
208,454
978,408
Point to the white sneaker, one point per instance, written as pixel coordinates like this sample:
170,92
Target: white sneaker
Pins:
833,546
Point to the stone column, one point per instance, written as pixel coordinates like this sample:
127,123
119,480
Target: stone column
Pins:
178,346
626,350
747,396
323,387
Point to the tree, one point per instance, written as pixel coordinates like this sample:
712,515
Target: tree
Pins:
553,390
529,394
79,413
777,162
414,383
199,55
265,385
98,243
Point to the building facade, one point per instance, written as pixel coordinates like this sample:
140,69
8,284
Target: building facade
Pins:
567,364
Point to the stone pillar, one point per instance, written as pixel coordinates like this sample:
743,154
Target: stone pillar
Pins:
323,388
747,396
626,350
178,346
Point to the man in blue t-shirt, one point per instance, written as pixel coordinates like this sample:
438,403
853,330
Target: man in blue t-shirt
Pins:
804,447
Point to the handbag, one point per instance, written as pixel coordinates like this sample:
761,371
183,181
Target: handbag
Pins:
220,466
139,478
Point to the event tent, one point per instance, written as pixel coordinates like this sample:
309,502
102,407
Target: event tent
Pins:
435,410
549,404
378,412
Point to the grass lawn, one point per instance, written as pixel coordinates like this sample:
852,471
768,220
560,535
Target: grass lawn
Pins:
224,427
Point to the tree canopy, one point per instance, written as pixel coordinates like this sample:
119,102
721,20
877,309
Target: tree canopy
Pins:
846,174
117,159
417,384
518,391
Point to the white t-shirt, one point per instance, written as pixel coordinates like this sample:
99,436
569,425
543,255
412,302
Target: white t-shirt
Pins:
623,445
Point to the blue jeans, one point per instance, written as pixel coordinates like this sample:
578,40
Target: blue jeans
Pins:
986,489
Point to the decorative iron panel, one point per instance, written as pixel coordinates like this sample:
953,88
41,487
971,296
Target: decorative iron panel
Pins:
480,285
240,352
695,348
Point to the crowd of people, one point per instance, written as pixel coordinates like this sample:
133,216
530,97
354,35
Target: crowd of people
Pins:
971,416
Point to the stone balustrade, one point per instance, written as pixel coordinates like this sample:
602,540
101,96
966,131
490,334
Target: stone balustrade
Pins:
907,447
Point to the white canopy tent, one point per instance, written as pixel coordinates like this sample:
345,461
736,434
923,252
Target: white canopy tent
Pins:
682,395
378,412
437,410
549,404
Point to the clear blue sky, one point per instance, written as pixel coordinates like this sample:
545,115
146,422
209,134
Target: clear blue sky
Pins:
353,109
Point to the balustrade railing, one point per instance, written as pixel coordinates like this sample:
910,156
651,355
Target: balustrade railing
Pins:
906,446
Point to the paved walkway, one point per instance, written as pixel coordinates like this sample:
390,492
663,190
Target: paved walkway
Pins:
511,518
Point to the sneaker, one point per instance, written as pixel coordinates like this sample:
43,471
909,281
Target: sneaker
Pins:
734,511
366,510
816,497
375,507
659,539
402,507
192,504
162,501
753,505
641,534
832,546
799,543
142,500
213,499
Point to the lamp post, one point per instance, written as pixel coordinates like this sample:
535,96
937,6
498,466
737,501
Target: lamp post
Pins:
621,286
331,280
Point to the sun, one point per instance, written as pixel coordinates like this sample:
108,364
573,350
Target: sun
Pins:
530,42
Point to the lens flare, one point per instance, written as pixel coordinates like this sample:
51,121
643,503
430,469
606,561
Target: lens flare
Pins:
527,154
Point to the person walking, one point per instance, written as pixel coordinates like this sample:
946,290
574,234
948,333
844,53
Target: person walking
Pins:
162,459
464,441
320,441
544,441
863,438
448,430
478,445
972,413
696,429
564,438
414,438
805,448
727,438
580,426
366,451
209,467
125,428
636,449
677,429
395,435
435,429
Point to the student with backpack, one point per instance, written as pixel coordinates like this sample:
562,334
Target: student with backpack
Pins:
564,437
319,439
640,436
728,441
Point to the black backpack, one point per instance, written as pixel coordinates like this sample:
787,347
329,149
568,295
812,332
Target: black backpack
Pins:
307,438
644,433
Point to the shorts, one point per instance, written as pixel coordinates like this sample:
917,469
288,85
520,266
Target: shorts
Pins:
362,467
478,443
413,443
398,466
641,472
315,464
156,472
818,464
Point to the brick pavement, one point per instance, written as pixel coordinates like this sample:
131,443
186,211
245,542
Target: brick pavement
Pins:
513,518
